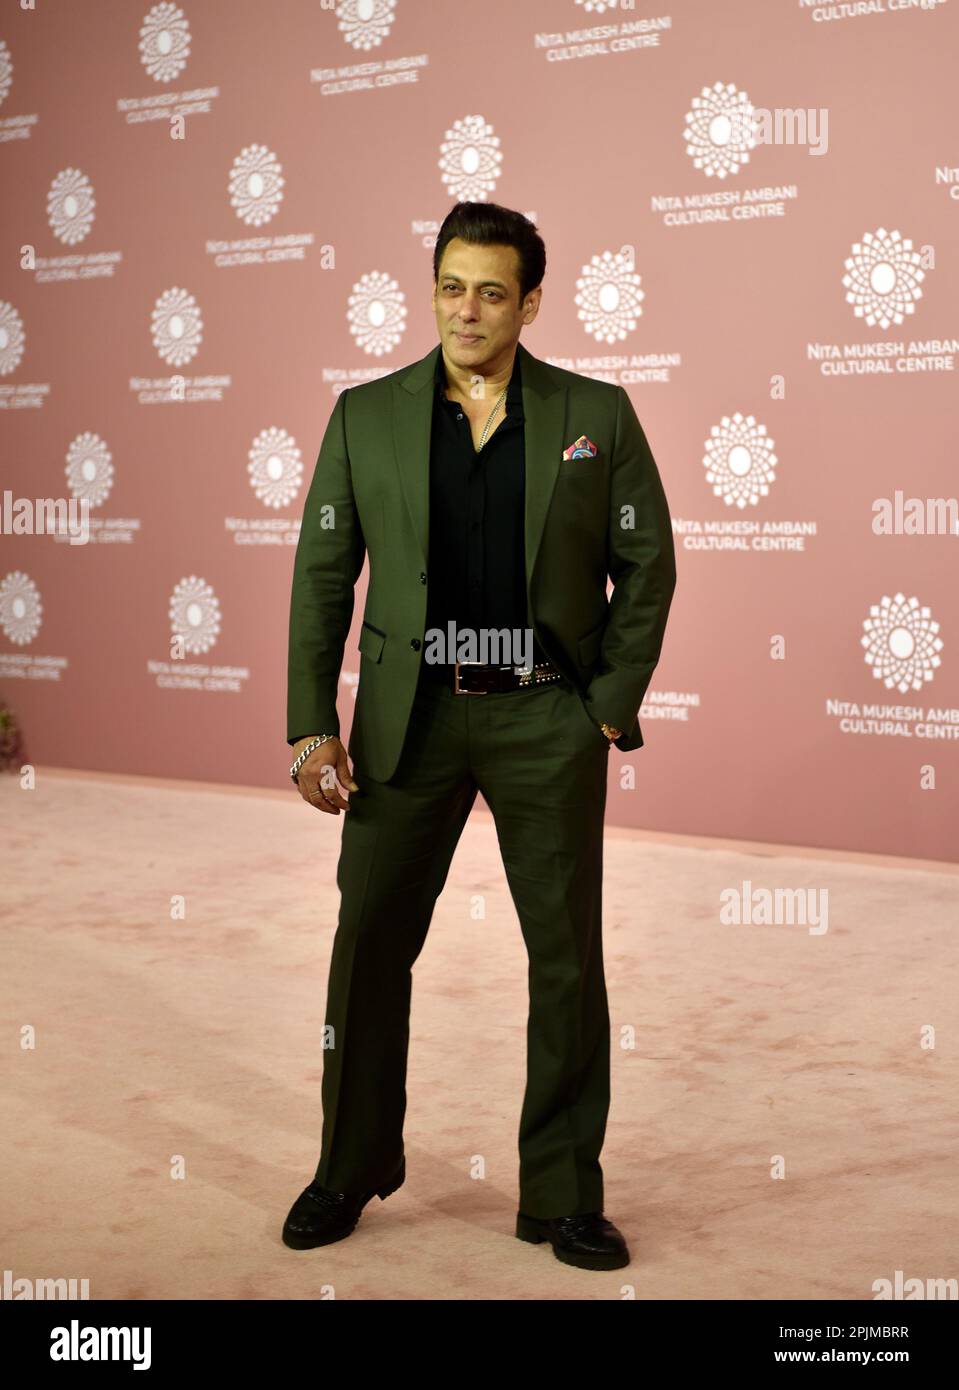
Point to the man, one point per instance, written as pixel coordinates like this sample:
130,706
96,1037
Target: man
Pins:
494,495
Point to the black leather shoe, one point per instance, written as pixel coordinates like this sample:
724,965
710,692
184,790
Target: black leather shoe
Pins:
319,1216
588,1241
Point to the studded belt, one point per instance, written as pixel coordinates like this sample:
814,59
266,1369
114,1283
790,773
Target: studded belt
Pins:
479,678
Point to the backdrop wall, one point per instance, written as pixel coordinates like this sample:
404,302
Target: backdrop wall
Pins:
216,216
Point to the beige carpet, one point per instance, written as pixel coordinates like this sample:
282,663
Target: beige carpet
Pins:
199,1037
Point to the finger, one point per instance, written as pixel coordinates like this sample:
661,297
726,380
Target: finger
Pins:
329,788
312,792
343,772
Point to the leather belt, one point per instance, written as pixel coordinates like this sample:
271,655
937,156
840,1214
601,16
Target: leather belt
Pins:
478,678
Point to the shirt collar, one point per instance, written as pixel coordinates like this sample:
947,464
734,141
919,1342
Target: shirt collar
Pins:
514,391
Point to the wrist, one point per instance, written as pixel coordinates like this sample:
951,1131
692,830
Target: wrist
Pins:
309,746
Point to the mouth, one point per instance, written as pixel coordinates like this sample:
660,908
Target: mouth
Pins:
469,337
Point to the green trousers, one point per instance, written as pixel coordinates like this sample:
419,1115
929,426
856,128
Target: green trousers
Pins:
541,763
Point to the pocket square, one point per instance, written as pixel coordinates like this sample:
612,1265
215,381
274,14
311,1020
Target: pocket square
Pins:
582,448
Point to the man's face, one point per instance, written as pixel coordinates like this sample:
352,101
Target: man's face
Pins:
477,305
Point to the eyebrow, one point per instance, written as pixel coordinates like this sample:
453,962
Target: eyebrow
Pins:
498,283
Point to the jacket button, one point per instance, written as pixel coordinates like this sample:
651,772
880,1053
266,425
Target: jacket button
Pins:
415,643
422,578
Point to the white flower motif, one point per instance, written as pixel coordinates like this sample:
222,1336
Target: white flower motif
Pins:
720,130
89,469
470,159
70,204
20,607
195,614
6,71
275,468
376,313
177,327
164,42
12,338
256,185
365,23
608,296
739,461
901,643
882,278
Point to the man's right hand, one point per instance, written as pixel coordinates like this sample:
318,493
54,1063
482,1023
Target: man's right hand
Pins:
317,778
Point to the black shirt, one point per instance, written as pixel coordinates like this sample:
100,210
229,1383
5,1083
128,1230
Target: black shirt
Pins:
477,546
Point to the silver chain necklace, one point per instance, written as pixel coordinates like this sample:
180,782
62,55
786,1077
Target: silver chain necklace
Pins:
491,414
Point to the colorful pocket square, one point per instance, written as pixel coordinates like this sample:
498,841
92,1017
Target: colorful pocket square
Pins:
582,448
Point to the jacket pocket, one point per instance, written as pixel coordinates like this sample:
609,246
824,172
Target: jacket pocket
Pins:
591,467
371,641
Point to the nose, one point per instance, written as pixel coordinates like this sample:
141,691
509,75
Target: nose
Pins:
469,307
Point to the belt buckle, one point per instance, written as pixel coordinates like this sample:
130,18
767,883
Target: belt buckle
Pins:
456,678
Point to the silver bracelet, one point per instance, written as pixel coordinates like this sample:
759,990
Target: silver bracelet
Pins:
302,757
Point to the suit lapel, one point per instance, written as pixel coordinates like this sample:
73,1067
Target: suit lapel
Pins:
544,409
412,422
544,406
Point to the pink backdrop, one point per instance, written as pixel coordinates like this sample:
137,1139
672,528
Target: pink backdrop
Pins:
784,313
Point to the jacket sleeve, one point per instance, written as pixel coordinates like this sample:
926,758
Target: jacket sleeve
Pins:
329,558
641,562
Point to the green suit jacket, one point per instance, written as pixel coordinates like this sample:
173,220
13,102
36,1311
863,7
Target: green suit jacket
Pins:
586,520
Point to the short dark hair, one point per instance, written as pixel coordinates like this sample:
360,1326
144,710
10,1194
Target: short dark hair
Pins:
489,224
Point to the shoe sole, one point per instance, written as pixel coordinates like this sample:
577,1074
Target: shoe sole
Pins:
305,1242
528,1229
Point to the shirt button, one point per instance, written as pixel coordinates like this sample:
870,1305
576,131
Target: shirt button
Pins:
415,643
422,578
459,417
